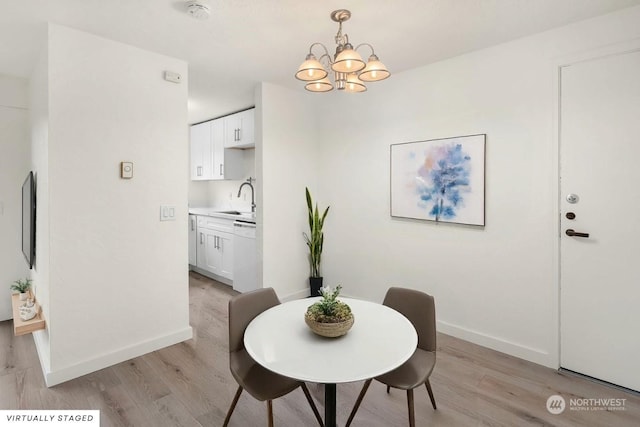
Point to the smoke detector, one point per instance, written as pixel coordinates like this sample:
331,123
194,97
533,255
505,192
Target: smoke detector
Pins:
198,9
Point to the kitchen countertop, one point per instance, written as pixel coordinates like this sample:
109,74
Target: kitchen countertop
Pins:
223,213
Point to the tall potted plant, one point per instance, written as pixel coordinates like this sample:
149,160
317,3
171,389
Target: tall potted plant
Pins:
315,240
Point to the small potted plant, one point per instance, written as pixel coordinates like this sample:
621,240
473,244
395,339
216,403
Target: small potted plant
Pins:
329,317
315,241
22,287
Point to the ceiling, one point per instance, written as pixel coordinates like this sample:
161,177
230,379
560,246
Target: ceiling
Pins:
248,41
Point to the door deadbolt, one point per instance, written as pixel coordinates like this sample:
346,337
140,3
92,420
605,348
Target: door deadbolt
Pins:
572,198
570,215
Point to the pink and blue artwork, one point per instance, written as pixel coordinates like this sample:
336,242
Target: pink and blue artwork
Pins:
439,180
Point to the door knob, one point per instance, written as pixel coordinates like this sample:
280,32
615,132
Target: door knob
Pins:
574,233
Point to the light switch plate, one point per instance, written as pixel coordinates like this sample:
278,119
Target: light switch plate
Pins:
167,213
126,170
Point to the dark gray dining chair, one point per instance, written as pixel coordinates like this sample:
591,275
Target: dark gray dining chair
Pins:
420,309
259,382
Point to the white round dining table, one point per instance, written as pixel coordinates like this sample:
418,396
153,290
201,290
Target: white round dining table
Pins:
380,340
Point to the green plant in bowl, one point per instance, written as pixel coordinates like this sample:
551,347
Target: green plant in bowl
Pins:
329,309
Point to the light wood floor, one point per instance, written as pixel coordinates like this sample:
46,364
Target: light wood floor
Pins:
189,384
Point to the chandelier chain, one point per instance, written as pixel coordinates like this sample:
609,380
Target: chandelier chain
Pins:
341,39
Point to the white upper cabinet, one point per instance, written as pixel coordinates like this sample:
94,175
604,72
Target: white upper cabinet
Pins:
201,160
239,129
217,148
210,160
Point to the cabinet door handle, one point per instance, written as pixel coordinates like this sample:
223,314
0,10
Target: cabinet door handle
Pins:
201,238
239,134
199,171
235,134
221,173
193,224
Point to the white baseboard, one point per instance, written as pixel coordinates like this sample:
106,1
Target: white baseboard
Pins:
531,354
302,293
210,275
514,349
52,378
41,340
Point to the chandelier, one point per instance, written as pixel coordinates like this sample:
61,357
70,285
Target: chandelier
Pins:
350,71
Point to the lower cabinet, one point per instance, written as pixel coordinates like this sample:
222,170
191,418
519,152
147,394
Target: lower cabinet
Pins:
215,246
193,239
215,253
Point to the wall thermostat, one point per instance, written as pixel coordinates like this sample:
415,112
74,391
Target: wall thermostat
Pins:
126,170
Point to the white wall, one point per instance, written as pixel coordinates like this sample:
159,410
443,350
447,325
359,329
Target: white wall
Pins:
287,149
496,286
14,166
39,121
117,280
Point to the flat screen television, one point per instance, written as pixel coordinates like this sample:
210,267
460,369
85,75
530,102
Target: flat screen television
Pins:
29,219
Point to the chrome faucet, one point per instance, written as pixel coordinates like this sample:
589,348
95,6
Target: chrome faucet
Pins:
248,182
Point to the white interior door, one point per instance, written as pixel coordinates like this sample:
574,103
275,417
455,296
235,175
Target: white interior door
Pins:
600,165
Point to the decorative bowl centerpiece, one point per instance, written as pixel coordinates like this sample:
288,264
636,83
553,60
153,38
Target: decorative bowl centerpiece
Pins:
329,317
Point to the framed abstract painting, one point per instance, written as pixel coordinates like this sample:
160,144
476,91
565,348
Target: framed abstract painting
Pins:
439,180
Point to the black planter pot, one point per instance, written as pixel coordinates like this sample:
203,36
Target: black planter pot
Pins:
315,283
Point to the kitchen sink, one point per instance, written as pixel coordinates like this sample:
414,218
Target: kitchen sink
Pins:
240,215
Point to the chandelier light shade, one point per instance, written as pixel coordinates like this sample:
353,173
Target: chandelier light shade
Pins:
323,85
311,69
350,71
374,71
354,84
348,61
